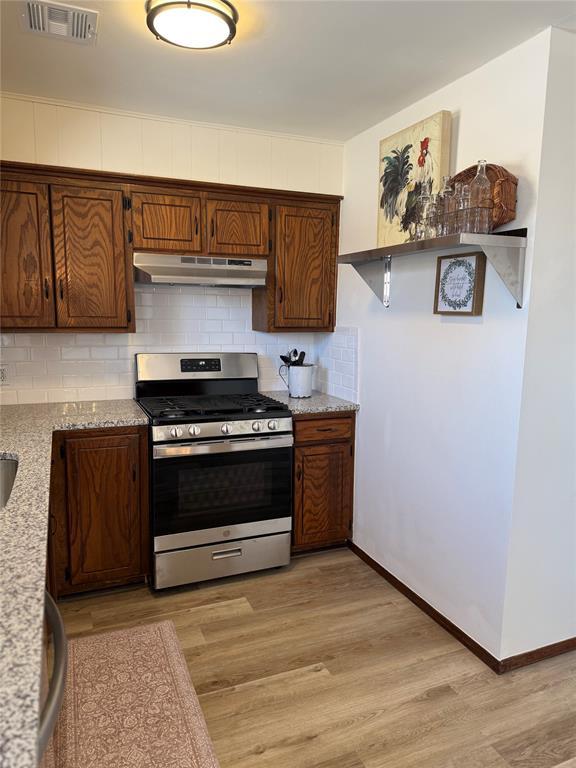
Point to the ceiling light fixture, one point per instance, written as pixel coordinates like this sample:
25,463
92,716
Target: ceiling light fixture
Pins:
188,24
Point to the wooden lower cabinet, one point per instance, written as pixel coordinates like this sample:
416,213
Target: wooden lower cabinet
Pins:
98,509
323,480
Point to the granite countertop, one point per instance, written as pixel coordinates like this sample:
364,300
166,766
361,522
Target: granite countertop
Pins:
317,403
26,435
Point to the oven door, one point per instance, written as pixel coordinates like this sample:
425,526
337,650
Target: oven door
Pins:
221,491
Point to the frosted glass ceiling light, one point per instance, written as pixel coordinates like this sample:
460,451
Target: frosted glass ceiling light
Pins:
205,24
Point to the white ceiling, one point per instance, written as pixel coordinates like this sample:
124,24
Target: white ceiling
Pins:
325,68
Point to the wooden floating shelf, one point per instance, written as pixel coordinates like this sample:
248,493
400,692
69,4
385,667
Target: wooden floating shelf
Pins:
506,253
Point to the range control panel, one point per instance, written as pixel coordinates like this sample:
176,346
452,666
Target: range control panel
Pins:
204,365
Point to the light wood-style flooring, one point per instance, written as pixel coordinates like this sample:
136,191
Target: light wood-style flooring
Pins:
325,665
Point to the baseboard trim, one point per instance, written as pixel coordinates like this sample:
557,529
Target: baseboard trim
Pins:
538,654
500,666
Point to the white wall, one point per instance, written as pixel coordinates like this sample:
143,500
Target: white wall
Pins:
52,133
540,603
440,397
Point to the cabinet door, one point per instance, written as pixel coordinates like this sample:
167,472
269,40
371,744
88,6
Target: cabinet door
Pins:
323,494
305,268
27,291
104,508
237,228
89,256
166,222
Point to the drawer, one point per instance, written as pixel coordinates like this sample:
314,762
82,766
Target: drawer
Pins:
187,566
321,429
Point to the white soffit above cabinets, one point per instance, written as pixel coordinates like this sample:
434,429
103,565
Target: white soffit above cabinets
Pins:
316,68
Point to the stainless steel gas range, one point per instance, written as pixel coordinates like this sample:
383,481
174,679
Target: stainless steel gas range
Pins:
221,467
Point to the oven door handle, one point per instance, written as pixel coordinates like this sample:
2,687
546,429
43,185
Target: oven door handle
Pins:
175,450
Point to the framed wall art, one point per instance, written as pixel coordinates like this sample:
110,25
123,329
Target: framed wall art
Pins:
460,284
412,160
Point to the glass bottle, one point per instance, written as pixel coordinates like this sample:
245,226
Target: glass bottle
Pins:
464,211
453,215
432,217
423,203
481,200
443,206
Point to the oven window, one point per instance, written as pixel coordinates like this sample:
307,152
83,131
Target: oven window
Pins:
196,492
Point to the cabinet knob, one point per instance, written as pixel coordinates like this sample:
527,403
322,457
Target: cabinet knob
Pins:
61,288
46,289
280,295
299,472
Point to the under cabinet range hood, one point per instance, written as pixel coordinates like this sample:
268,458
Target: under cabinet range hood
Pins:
178,269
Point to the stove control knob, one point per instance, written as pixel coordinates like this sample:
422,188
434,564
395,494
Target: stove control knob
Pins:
194,430
256,426
226,428
273,424
176,432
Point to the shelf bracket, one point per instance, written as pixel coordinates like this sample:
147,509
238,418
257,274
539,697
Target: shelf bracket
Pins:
377,274
509,264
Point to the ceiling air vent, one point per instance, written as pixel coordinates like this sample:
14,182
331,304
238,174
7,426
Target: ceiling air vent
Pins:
57,20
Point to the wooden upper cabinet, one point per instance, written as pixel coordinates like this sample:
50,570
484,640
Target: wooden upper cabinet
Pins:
238,228
68,238
323,494
167,222
26,290
103,496
305,268
89,257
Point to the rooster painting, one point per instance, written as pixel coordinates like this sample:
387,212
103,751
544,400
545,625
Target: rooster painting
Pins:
411,162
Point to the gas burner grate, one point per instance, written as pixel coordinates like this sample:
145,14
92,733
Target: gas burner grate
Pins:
190,407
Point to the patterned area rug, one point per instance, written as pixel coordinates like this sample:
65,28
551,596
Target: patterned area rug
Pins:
129,703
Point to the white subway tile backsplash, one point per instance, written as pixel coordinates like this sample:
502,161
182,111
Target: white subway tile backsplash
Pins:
104,353
94,366
62,394
90,339
76,381
32,396
31,369
42,382
75,353
337,368
45,353
217,313
221,338
344,367
11,354
29,339
118,393
209,326
92,393
61,339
